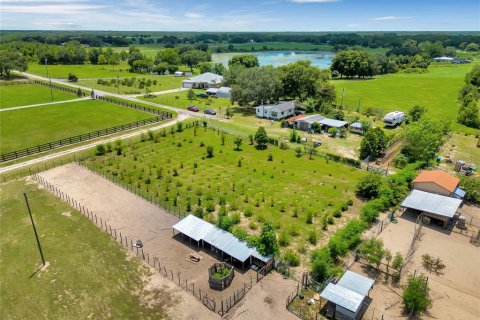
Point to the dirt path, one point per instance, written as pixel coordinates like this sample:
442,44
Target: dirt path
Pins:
43,104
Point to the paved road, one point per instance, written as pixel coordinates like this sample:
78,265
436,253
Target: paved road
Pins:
43,104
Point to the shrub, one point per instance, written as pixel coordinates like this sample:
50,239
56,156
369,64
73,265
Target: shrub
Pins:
312,237
337,213
292,258
322,265
253,225
344,207
298,152
471,185
100,150
330,219
209,152
332,132
270,157
240,233
309,217
284,239
369,186
349,202
210,207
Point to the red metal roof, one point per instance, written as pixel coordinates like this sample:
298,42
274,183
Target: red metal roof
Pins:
439,177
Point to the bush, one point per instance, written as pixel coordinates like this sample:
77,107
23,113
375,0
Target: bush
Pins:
100,150
332,132
292,258
330,219
309,217
337,213
344,207
284,239
322,265
349,202
248,212
209,152
312,237
471,186
198,212
210,207
369,186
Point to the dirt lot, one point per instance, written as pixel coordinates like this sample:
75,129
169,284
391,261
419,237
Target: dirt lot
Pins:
455,293
138,219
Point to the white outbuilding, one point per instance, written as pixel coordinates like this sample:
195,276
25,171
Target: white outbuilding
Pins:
203,81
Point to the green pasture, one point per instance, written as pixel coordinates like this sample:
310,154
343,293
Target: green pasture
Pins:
88,273
164,82
26,94
180,100
436,89
461,147
82,71
175,170
25,128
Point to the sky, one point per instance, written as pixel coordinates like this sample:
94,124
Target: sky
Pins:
241,15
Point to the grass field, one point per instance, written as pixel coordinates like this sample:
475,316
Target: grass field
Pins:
26,94
88,273
53,122
164,82
461,147
285,190
180,100
82,71
437,90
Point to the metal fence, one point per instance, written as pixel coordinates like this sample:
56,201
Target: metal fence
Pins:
76,139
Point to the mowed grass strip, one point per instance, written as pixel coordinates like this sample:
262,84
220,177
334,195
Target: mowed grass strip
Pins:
88,273
27,94
285,190
61,71
33,126
437,90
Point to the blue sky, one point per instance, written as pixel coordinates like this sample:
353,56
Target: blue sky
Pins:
244,15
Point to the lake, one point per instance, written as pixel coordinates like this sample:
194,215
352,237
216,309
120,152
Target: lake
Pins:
321,59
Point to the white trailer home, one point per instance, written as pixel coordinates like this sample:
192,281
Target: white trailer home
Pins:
393,118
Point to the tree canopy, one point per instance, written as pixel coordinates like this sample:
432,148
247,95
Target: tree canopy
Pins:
373,143
246,60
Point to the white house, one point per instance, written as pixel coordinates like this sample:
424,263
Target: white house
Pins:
203,81
276,111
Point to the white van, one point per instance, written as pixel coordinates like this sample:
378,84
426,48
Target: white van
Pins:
393,118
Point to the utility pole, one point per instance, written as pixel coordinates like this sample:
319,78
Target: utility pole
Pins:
50,80
34,229
341,103
118,84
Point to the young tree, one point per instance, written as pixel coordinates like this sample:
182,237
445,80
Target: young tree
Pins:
267,243
422,139
332,132
191,95
238,142
469,115
416,295
261,138
372,251
228,113
209,152
416,112
373,143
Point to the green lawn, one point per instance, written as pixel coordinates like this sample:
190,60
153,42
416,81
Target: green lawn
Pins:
29,127
437,90
284,190
88,273
461,147
26,94
164,82
82,71
180,100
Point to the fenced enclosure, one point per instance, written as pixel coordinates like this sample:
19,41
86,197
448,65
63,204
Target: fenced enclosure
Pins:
79,138
217,279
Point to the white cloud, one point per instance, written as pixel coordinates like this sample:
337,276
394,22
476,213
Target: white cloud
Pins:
193,15
352,25
52,9
59,25
387,18
313,1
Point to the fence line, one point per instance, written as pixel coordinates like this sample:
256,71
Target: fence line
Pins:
132,105
77,139
60,88
127,242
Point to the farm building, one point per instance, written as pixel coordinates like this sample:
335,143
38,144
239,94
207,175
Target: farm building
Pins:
306,122
346,298
432,205
292,121
224,92
439,182
356,127
224,244
183,73
276,111
203,81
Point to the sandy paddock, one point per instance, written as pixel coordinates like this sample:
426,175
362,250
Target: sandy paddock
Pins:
139,219
455,293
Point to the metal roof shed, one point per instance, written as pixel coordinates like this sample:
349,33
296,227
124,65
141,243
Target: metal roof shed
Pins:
343,297
356,282
433,205
193,227
333,123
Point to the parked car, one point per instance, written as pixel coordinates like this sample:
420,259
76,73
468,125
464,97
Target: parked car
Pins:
202,95
193,108
210,111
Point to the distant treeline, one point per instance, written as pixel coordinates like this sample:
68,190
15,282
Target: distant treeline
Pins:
172,39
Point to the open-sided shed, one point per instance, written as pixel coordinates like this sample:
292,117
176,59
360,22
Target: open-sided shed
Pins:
433,205
211,237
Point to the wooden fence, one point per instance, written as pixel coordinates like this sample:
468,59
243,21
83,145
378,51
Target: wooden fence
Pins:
135,106
76,139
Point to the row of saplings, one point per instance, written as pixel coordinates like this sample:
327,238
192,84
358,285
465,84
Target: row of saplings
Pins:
416,296
129,82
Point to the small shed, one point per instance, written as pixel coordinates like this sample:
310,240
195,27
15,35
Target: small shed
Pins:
224,92
332,123
348,295
433,205
305,123
356,127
